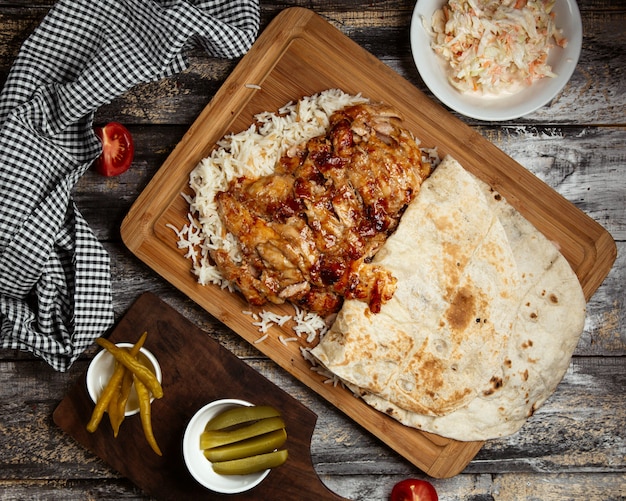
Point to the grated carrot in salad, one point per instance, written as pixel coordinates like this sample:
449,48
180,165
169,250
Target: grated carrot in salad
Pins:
495,46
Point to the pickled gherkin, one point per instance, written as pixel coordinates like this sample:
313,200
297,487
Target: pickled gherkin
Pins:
216,438
250,447
240,415
252,464
244,440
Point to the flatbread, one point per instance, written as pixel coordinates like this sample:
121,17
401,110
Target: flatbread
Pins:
436,344
485,318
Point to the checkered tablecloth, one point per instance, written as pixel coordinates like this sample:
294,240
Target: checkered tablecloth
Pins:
55,284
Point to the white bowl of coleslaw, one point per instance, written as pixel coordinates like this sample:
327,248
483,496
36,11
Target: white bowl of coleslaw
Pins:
490,104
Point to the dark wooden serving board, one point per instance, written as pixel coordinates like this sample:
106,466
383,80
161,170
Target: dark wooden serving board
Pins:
196,370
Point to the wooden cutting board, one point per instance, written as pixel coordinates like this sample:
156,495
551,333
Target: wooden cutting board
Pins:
196,370
301,54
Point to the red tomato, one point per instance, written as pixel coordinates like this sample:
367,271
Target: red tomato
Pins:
413,489
117,149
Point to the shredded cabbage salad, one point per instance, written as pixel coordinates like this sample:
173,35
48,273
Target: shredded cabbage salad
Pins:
495,46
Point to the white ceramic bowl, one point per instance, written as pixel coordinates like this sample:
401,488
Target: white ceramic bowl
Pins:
200,467
101,368
432,68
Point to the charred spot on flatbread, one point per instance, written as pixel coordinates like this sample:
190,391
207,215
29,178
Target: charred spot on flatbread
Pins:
496,383
462,309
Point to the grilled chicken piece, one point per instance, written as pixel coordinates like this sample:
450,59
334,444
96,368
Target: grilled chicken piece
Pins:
308,231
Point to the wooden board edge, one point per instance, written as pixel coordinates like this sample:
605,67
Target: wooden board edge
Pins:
454,458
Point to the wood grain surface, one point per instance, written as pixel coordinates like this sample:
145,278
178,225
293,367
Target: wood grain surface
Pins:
573,448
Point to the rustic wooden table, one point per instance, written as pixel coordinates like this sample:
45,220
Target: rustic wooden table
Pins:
573,448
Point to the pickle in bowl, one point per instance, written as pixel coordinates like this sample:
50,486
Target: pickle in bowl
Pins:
244,440
243,443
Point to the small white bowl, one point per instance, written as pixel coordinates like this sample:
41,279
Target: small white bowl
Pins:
101,368
433,69
200,467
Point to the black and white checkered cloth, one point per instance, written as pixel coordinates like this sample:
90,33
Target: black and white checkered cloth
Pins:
55,286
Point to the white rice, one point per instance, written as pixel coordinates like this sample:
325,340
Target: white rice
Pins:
309,324
253,152
306,325
284,340
267,319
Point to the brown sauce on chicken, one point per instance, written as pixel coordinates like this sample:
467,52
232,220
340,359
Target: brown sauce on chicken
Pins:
308,231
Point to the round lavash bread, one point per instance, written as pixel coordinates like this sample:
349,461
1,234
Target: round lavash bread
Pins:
548,320
441,340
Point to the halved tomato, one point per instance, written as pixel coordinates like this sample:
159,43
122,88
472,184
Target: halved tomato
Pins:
413,489
118,149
